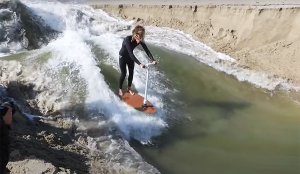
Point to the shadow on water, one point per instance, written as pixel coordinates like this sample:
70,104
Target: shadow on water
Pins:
175,132
227,108
111,76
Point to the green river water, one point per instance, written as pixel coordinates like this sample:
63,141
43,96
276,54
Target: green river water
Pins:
218,125
221,125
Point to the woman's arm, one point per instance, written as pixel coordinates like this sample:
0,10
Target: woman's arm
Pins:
147,51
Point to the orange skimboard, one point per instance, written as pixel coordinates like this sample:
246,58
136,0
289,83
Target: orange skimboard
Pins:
136,101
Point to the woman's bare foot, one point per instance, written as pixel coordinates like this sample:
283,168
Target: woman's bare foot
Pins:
130,91
120,92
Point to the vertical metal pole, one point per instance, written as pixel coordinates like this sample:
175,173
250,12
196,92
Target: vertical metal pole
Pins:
145,99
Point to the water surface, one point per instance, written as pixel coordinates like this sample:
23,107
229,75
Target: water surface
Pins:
221,125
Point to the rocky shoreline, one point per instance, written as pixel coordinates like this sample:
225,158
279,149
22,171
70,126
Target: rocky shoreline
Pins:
48,144
54,144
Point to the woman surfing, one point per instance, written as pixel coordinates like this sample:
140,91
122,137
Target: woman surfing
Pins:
127,58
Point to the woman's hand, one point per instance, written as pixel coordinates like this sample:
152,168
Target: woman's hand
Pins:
8,116
142,66
154,62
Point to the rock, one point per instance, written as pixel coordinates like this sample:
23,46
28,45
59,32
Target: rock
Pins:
31,166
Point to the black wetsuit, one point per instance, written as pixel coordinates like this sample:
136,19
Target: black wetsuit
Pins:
127,58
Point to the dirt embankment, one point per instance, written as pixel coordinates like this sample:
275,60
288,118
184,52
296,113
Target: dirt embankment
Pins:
263,38
47,144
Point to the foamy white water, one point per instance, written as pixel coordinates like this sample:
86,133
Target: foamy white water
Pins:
80,24
65,71
83,24
8,46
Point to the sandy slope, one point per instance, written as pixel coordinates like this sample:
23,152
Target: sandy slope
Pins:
198,2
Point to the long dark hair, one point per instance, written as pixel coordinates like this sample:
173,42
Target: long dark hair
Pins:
138,30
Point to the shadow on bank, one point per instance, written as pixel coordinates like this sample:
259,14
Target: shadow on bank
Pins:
50,140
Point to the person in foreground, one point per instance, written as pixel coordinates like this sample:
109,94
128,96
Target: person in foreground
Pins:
127,57
6,114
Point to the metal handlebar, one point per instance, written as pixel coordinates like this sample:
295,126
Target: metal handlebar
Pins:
148,64
146,88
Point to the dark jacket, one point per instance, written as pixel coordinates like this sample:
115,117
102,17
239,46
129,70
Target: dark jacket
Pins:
128,46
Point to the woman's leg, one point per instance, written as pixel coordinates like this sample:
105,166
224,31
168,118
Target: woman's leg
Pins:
122,63
130,76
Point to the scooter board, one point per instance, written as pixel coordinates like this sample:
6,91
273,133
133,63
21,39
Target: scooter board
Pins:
136,101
